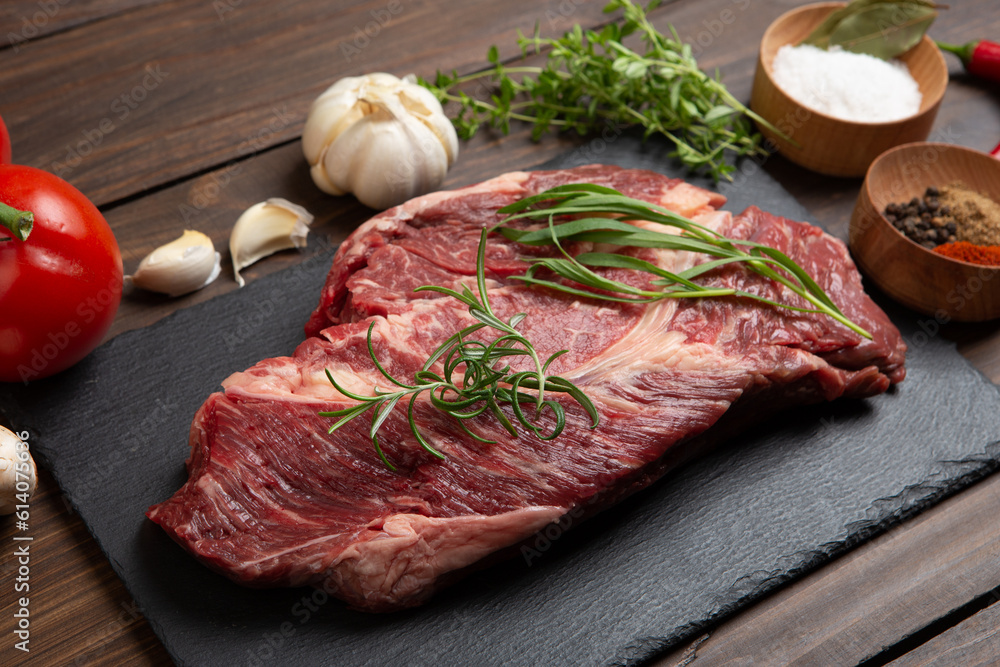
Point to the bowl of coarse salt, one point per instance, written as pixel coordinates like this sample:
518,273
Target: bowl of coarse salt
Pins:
841,110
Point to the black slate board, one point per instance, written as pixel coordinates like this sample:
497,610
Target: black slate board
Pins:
704,541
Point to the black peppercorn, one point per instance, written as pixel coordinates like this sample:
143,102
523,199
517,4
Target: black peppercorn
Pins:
923,219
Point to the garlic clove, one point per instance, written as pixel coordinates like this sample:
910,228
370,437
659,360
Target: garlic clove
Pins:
423,106
328,117
179,267
14,455
337,109
264,229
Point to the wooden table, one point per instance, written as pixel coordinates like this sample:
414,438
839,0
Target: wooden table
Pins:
180,114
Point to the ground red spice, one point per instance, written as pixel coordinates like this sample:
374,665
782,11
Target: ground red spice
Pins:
968,252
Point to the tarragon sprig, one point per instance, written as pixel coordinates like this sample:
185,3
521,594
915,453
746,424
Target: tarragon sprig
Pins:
592,81
472,380
589,205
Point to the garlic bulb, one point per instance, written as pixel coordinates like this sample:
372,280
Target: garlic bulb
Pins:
18,474
384,139
264,229
181,266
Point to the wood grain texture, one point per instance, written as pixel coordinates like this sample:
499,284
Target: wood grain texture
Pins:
25,20
80,614
975,642
220,133
168,90
883,591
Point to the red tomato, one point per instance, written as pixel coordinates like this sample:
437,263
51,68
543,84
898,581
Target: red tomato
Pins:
60,288
4,144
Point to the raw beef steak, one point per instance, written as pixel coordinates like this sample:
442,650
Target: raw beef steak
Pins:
273,500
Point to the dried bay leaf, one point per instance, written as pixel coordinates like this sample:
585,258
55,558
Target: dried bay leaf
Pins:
861,24
820,36
884,30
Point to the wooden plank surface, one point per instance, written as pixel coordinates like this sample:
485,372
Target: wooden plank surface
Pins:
975,642
23,21
79,612
157,94
883,591
219,132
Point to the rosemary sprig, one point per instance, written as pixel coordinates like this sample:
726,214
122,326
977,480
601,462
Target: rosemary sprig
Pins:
470,382
590,204
591,81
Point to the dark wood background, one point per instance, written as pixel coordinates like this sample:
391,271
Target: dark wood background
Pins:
181,114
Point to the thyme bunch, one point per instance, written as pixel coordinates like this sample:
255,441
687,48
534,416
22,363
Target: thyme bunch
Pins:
591,80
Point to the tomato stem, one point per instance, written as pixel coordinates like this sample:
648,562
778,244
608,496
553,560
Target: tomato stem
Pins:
18,222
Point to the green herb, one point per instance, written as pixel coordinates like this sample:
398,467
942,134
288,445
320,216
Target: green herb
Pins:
590,204
470,382
591,81
881,28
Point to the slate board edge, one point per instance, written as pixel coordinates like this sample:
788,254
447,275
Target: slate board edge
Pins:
890,511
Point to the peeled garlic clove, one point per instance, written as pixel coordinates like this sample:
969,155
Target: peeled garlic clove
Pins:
179,267
15,458
264,229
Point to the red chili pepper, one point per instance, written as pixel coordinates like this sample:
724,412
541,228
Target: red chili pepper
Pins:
996,152
981,57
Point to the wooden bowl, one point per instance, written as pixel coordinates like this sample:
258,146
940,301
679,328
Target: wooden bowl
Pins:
948,289
826,144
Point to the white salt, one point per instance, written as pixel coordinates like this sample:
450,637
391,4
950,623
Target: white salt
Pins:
849,86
